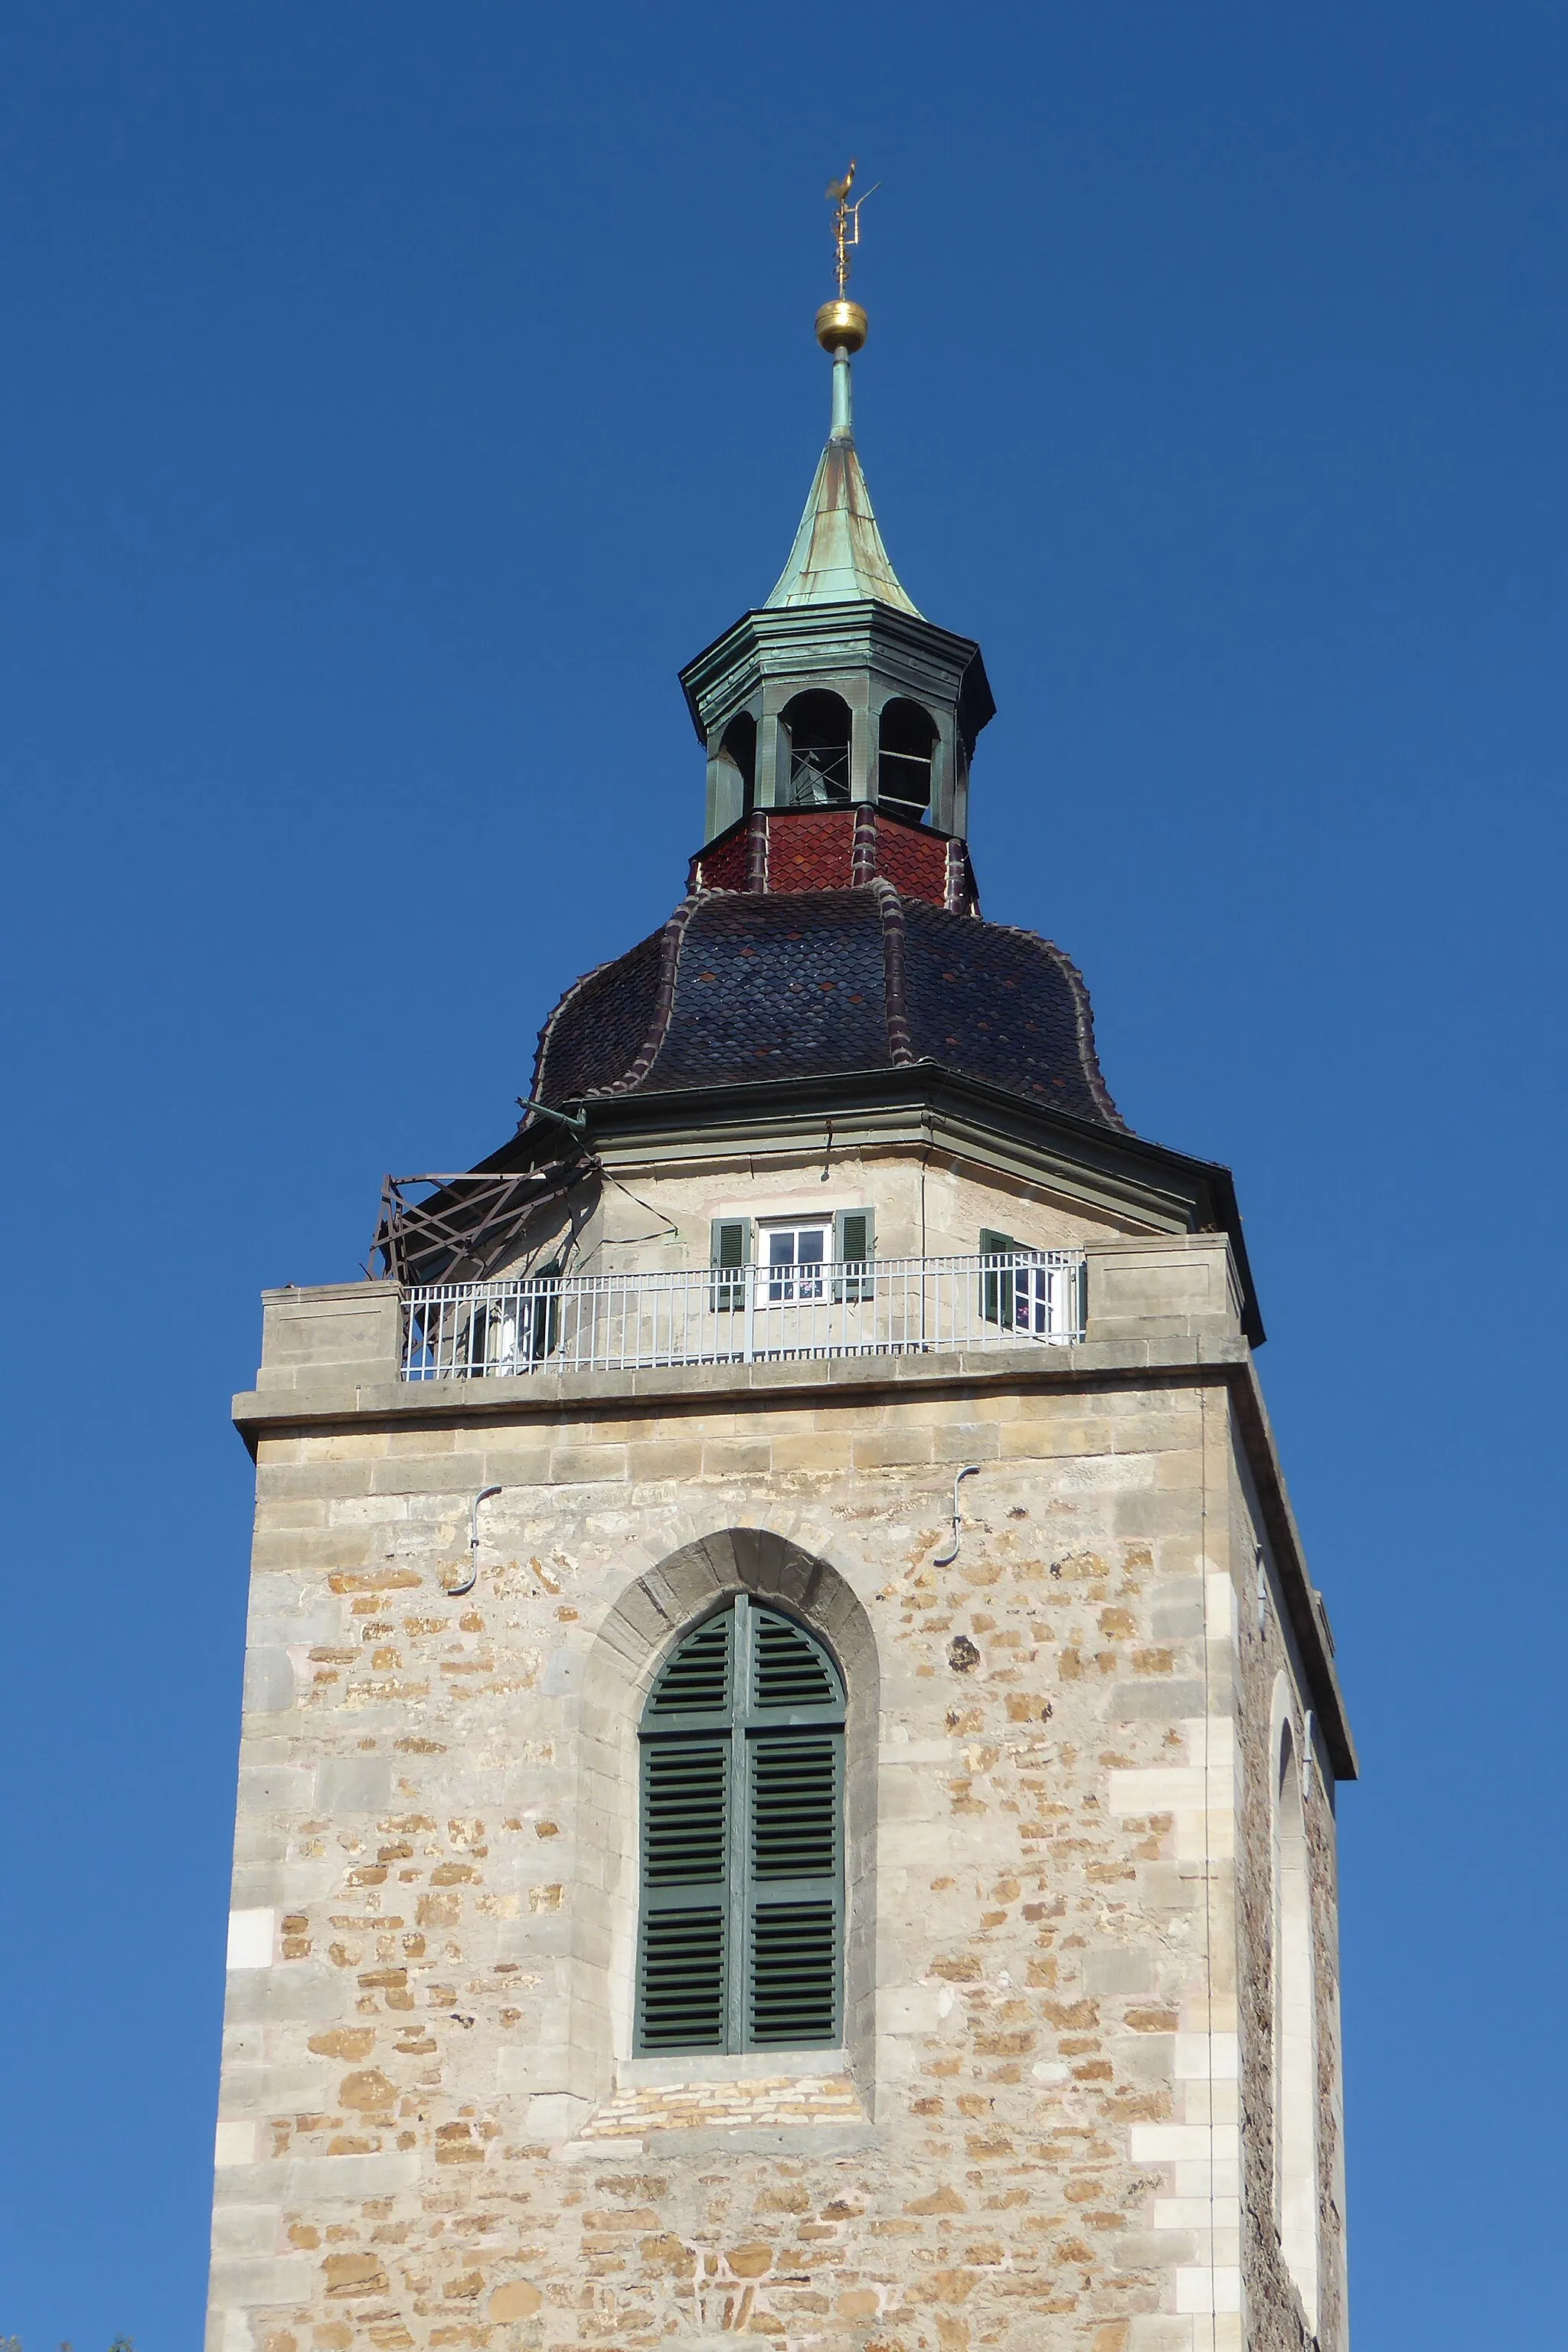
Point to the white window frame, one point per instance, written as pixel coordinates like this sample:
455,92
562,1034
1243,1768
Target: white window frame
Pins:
783,1284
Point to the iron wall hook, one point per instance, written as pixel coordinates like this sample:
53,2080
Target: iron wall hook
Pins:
946,1558
456,1592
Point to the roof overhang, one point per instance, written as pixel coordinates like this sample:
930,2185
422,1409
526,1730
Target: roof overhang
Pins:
824,640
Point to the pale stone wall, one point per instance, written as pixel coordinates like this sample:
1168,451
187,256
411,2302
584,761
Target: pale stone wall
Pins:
651,1216
432,2129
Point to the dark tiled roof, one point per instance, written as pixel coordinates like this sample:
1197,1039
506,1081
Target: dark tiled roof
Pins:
595,1032
811,982
1002,1004
776,987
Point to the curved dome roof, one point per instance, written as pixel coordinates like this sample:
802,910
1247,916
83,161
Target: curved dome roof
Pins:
739,986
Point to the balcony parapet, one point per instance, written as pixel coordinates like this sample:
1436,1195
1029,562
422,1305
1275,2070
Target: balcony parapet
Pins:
1119,1302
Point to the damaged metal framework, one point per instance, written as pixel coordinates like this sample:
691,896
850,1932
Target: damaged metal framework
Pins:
470,1223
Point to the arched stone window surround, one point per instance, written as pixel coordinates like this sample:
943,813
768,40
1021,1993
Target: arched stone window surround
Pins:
632,1643
1294,1980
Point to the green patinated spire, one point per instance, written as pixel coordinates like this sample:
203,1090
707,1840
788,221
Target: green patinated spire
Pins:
839,556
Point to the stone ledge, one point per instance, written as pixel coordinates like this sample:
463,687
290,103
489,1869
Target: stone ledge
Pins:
342,1396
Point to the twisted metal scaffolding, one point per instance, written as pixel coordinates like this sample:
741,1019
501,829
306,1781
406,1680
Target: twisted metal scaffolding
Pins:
470,1221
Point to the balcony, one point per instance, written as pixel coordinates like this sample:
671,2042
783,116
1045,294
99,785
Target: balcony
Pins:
741,1315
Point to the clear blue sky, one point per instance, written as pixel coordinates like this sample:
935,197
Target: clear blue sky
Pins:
392,397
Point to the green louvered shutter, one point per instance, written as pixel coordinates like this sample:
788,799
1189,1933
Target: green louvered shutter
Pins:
741,1944
685,1841
854,1245
795,1815
730,1239
788,1668
682,1971
697,1678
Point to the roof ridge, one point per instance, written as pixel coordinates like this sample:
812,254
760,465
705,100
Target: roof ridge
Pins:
1084,1010
890,907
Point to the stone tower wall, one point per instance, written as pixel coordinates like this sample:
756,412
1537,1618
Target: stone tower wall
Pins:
432,2131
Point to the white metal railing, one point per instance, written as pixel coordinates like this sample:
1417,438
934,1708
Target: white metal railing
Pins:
739,1315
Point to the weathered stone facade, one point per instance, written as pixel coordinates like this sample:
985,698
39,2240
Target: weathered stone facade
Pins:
1050,2123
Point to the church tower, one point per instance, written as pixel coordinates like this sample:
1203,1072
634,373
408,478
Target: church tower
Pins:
790,1746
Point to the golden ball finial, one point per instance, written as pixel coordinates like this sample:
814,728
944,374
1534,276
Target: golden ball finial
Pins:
841,325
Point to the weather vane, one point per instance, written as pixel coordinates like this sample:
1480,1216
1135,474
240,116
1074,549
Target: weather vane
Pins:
846,220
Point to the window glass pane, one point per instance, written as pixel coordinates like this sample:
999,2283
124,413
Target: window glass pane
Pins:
791,1247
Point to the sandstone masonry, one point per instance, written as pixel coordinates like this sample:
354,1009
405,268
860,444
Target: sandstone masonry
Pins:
1050,2122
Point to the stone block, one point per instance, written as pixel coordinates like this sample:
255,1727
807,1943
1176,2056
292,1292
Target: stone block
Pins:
893,1449
1162,1700
247,2228
251,1936
248,2281
325,2179
816,1450
736,1457
272,1788
573,1465
446,1474
353,1784
296,1992
509,1465
268,2090
1152,2250
269,1682
662,1458
966,1442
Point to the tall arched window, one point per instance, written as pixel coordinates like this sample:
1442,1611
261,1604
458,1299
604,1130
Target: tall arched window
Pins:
819,726
1295,2036
738,759
741,1932
906,746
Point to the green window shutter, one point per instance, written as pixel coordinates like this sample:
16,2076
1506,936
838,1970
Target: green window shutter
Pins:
796,1816
996,1284
796,1810
540,1323
788,1668
697,1677
794,1974
685,1812
682,1980
854,1243
742,1933
794,1805
729,1248
852,1236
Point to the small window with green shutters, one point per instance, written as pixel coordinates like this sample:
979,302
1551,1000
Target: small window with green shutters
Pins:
729,1253
739,1943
